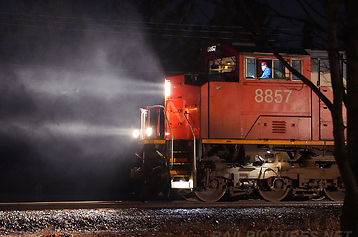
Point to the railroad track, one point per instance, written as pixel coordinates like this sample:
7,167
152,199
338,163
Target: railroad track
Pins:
22,206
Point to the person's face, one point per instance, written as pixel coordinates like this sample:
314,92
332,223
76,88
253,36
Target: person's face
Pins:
263,67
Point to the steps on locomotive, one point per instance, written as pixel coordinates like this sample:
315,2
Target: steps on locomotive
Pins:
181,164
181,171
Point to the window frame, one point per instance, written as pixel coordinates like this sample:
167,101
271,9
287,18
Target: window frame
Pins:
221,70
246,71
259,62
293,77
288,76
285,73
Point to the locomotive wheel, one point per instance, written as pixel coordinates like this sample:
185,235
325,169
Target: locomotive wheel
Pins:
212,193
274,189
336,193
187,194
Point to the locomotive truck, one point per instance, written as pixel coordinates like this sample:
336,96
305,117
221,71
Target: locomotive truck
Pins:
230,131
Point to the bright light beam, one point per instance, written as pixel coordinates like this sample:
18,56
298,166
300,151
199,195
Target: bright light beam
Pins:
66,128
79,129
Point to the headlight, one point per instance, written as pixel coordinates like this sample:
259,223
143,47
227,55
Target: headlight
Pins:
149,131
136,133
167,88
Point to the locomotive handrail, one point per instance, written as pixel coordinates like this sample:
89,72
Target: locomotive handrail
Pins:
192,131
170,129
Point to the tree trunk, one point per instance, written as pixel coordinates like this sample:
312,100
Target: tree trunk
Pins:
350,208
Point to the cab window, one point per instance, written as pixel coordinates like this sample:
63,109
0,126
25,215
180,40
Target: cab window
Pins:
296,64
255,69
250,68
264,68
279,71
222,65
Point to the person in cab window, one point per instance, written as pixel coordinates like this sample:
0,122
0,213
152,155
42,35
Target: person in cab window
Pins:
266,70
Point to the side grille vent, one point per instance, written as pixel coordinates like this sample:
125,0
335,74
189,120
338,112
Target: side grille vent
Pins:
278,126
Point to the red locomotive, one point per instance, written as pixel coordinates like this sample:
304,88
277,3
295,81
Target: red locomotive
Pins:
244,126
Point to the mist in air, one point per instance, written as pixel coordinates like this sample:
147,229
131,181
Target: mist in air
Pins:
70,93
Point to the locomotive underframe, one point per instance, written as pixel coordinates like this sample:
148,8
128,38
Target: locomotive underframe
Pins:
272,171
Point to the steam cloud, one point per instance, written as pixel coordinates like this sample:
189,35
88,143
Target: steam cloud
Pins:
68,102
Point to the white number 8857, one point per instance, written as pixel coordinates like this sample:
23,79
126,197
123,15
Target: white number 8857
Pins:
268,96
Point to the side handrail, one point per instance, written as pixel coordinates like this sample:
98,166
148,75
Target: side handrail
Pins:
170,129
192,131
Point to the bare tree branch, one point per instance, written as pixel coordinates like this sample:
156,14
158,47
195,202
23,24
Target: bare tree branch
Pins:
263,38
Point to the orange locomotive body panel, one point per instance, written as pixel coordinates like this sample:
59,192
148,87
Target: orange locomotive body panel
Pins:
182,105
220,110
249,110
276,111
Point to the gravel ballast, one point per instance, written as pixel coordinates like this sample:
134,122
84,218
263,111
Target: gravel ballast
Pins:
253,222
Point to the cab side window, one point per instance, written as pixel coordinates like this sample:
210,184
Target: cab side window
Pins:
250,68
264,69
296,64
279,71
256,68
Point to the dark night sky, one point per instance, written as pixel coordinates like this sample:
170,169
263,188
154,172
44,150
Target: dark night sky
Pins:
73,77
